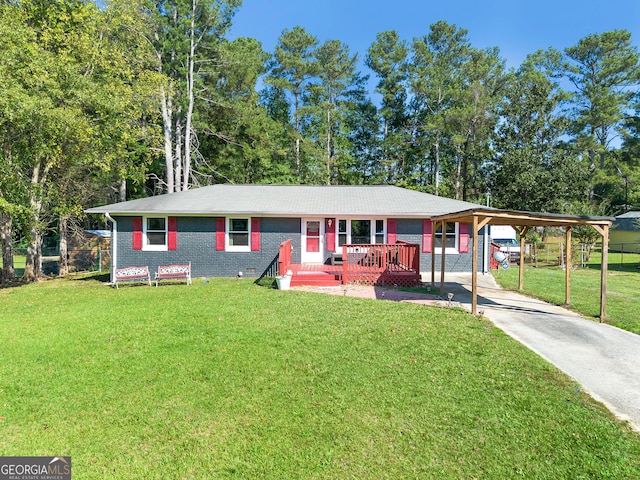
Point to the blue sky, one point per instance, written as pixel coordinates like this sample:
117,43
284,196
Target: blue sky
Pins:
516,27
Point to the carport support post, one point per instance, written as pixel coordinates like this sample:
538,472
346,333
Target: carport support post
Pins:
474,268
433,256
603,272
604,231
522,231
567,265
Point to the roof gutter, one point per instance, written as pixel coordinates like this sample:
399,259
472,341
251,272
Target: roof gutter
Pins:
114,245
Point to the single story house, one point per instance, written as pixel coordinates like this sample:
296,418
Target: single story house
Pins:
625,233
229,230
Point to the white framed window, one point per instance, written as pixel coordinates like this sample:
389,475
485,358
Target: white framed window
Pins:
380,233
154,233
451,238
361,231
238,238
342,232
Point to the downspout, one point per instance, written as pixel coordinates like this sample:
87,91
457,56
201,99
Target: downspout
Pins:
114,244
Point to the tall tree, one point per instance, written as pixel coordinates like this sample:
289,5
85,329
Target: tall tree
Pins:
387,57
472,121
437,72
243,142
336,73
48,125
362,121
67,89
604,71
291,70
186,36
533,169
629,168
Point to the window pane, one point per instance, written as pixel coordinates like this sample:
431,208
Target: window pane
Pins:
450,241
342,226
313,229
239,225
342,239
360,231
155,224
238,239
451,229
379,227
156,238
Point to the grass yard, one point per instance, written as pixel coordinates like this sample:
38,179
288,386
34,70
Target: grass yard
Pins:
230,380
623,301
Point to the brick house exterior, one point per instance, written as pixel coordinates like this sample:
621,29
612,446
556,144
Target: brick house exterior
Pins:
226,229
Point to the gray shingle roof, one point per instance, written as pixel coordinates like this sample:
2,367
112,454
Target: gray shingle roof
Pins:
291,200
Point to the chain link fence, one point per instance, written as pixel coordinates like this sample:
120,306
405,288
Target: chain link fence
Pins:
582,254
79,260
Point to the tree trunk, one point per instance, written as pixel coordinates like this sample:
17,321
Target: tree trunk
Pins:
63,264
8,271
329,159
186,173
297,122
33,264
436,163
165,101
177,158
458,171
122,190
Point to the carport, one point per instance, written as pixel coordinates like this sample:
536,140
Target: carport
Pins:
482,216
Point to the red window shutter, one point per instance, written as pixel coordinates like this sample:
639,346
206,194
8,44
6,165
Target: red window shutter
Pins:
463,238
137,233
172,233
220,233
330,234
427,236
255,234
392,236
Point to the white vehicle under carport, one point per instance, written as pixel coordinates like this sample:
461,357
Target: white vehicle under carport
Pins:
505,237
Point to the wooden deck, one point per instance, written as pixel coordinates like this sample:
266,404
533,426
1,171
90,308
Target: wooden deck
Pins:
380,265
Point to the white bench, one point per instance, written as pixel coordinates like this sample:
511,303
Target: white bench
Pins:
174,272
131,274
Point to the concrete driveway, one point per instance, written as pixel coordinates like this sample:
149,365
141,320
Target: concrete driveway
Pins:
603,359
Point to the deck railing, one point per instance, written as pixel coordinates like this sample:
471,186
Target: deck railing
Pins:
284,257
371,262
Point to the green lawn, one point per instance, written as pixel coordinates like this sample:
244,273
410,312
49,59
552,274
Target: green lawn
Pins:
18,264
548,283
230,380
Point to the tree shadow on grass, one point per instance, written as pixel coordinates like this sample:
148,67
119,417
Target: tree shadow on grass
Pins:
95,277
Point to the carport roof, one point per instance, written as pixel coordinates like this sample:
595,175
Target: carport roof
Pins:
522,218
482,216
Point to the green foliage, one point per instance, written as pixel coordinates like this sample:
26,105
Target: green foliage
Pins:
535,170
148,96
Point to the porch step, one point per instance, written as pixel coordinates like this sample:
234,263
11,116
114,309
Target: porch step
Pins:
315,278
